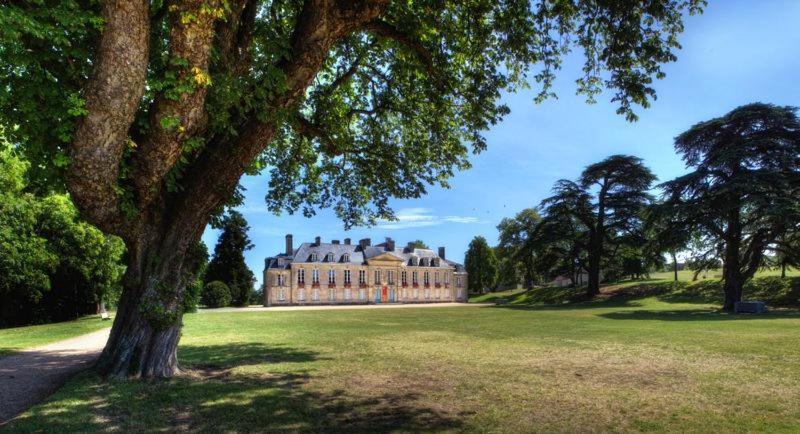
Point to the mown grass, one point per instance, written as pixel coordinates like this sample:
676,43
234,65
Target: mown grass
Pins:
18,338
624,363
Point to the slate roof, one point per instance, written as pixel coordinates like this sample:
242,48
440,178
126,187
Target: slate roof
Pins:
303,254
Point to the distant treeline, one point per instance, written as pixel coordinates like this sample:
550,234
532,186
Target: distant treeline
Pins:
737,209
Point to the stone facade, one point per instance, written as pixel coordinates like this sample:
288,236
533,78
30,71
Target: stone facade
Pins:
345,273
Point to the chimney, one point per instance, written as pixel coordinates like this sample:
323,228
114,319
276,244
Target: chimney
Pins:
334,241
389,244
289,247
347,241
317,240
364,243
441,252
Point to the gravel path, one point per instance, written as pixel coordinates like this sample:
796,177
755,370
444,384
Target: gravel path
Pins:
30,376
340,307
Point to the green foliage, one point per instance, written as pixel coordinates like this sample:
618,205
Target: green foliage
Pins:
740,200
52,265
481,265
515,250
216,294
390,114
195,266
45,56
418,244
228,263
596,222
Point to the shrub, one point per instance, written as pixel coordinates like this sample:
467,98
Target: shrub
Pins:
216,294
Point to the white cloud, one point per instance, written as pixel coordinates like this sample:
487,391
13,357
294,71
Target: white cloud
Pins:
422,217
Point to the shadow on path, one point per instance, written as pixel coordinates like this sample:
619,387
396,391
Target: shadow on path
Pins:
27,377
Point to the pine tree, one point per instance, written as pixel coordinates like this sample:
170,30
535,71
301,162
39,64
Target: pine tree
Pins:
228,264
481,265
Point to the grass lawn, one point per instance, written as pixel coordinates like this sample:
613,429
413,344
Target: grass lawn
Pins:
623,364
18,338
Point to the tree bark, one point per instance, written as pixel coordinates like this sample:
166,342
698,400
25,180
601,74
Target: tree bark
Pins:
147,326
732,270
674,265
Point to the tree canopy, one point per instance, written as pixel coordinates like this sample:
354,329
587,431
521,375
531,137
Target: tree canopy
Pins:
53,266
740,200
481,265
228,265
517,254
598,214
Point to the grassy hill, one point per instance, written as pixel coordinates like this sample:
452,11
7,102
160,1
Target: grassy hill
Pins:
772,289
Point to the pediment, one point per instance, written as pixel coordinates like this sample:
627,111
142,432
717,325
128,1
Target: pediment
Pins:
384,257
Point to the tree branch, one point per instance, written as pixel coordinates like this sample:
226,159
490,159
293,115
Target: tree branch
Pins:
385,30
176,117
112,95
320,24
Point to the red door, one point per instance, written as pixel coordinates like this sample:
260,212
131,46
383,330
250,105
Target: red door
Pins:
384,295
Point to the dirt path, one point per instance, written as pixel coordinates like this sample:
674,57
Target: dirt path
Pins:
29,376
341,307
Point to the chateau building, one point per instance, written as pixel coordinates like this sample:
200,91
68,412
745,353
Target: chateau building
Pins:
345,273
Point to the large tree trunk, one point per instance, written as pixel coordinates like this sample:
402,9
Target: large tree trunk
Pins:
147,326
595,253
732,276
733,292
674,265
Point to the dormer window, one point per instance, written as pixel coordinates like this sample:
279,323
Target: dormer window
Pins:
425,262
314,257
329,257
414,261
346,257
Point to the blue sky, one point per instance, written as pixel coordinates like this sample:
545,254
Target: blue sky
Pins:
737,52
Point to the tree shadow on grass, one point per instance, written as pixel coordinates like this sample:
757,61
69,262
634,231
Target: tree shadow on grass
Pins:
215,396
697,315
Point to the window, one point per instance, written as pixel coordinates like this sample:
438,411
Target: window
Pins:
427,293
424,262
301,277
301,295
414,277
361,294
446,278
346,277
362,277
436,278
377,277
405,292
331,294
313,258
404,277
329,257
331,277
426,278
458,281
347,293
281,294
315,276
416,292
390,277
315,295
346,257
